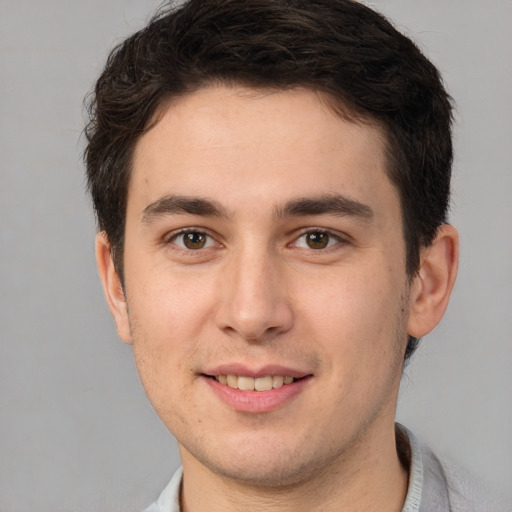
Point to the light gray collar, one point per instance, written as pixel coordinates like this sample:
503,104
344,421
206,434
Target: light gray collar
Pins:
413,498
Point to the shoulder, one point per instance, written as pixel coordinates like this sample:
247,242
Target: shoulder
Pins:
463,491
439,485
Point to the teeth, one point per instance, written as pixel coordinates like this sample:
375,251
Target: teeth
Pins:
232,381
263,383
277,381
246,383
254,384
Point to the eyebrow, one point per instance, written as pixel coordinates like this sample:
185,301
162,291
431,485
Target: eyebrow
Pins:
173,204
332,204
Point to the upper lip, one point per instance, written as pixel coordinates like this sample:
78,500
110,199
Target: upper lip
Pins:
261,371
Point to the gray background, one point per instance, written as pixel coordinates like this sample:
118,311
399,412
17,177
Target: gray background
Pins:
76,431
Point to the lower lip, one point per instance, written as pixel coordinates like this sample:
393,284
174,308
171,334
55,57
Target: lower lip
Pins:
256,402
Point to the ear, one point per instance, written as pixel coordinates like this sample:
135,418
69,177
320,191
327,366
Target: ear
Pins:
112,287
433,284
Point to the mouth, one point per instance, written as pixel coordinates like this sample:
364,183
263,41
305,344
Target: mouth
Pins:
256,391
247,383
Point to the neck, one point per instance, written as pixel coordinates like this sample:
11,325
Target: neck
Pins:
369,478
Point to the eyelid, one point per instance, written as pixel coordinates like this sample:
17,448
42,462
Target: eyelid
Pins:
169,238
340,238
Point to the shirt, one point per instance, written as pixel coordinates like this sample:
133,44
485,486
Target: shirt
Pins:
433,486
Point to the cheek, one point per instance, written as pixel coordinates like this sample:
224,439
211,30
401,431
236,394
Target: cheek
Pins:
168,305
359,318
166,317
162,353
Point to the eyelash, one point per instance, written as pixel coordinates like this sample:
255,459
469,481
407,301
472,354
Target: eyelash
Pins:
333,240
171,239
337,239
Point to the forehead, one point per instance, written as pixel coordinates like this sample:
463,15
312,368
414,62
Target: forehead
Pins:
240,143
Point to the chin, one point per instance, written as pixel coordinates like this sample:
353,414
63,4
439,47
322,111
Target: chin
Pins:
269,464
268,474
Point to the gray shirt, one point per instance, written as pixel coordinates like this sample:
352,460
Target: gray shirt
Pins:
433,486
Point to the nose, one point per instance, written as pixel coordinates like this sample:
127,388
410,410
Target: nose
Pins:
253,300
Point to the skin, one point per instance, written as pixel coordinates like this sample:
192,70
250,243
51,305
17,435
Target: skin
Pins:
258,293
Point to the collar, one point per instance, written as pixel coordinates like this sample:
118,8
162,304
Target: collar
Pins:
414,456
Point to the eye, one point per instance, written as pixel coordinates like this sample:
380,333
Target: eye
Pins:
317,240
192,240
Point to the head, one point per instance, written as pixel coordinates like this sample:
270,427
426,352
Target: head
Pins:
367,71
271,180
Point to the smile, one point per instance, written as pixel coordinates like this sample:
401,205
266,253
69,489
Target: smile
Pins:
256,394
244,383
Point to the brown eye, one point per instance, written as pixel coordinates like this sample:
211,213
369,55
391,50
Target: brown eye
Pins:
317,240
193,240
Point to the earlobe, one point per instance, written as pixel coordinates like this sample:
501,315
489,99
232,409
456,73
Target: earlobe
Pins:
112,287
433,284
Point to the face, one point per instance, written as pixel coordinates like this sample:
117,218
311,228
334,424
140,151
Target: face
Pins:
264,249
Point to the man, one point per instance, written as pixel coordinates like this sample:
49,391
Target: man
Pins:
271,180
